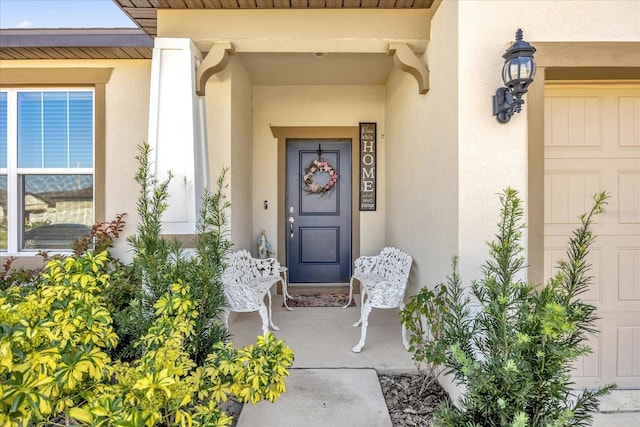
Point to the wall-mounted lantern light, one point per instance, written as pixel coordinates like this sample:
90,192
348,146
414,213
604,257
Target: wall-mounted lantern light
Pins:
517,74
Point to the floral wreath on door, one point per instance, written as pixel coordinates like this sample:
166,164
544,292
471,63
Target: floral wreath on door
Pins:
319,166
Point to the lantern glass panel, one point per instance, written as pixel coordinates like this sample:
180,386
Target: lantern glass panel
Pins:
518,69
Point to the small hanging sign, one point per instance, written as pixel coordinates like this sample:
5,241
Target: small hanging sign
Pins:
367,166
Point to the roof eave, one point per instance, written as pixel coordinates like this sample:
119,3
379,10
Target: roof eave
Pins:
74,37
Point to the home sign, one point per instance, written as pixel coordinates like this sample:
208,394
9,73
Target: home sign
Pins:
367,166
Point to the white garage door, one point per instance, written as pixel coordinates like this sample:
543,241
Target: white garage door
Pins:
592,143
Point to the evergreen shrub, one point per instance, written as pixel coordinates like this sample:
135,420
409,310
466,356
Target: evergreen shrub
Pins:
510,344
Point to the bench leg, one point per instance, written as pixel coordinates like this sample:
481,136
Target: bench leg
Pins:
405,340
355,325
225,317
285,291
363,332
265,320
350,292
362,295
274,327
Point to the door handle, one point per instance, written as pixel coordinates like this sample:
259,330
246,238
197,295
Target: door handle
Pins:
291,221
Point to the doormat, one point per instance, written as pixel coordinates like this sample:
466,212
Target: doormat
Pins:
320,300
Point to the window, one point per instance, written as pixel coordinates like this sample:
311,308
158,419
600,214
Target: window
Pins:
46,168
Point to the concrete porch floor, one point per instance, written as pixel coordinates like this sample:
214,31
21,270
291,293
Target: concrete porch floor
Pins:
322,337
327,375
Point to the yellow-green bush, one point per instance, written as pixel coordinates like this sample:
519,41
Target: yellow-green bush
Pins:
54,364
53,341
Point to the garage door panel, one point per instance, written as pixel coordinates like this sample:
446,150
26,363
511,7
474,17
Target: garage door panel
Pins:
581,159
628,344
604,125
588,366
618,274
615,356
629,121
574,122
568,194
629,269
629,197
621,348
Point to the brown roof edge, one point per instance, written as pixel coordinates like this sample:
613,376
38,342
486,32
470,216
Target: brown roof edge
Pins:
74,37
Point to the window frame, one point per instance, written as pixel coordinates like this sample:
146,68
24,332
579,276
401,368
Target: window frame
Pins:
63,78
15,173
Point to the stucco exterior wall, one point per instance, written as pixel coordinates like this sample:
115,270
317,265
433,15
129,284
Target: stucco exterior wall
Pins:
242,176
422,156
297,30
218,114
315,106
230,138
127,118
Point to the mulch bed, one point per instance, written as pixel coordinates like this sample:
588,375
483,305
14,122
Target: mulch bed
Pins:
407,407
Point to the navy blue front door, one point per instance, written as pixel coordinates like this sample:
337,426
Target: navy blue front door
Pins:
318,228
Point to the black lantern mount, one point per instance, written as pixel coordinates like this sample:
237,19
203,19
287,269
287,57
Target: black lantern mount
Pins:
517,74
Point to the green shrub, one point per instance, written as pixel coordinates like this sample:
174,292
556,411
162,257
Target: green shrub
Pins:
212,244
511,344
424,317
25,278
159,262
100,238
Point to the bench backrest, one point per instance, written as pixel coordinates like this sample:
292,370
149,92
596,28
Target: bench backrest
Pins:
243,268
394,265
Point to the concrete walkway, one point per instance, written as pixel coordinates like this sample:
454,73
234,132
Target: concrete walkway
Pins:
323,397
331,386
619,408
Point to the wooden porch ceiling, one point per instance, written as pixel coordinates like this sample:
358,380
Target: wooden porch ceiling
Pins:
144,12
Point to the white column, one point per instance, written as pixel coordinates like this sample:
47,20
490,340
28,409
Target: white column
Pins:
177,134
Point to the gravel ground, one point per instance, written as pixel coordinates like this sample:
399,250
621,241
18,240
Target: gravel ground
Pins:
407,407
401,392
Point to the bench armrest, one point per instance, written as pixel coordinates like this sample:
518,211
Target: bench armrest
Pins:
365,264
386,294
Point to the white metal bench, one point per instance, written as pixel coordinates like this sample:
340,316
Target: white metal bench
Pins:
383,281
246,281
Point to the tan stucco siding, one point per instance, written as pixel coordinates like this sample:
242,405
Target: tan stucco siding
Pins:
218,121
317,30
127,121
315,106
242,175
230,138
421,155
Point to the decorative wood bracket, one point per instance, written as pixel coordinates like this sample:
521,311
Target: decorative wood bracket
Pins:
214,62
406,60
